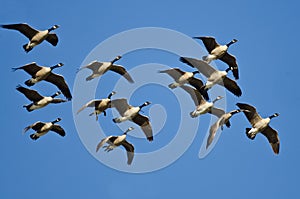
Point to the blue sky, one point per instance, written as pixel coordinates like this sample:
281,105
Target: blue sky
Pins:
237,167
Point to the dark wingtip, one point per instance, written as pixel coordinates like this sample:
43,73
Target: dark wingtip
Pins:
150,139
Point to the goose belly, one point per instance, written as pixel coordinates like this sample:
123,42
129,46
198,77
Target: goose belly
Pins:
184,78
42,74
215,78
202,109
219,51
104,68
103,105
119,140
47,127
262,124
131,112
38,38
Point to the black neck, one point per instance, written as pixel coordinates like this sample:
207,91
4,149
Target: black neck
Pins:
54,95
113,61
274,115
109,96
56,66
230,43
228,69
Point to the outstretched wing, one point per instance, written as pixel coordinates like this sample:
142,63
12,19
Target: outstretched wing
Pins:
231,61
122,71
212,132
60,82
94,66
195,94
175,73
23,28
32,95
36,126
252,116
217,112
58,129
231,86
198,84
273,138
31,68
202,66
121,105
52,39
145,124
102,142
209,43
89,104
130,151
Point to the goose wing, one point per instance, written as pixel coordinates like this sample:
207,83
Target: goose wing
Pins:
121,105
122,71
144,123
58,129
89,104
217,112
32,95
94,66
252,116
202,66
130,151
60,82
57,101
31,68
175,73
209,43
272,137
36,126
52,39
231,86
212,132
23,28
102,142
195,94
231,61
198,84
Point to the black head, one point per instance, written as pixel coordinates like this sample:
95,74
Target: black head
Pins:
57,66
116,59
231,42
53,27
129,129
57,120
111,94
56,94
229,69
145,104
274,115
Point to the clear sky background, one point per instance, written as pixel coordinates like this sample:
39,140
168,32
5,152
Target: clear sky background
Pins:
56,167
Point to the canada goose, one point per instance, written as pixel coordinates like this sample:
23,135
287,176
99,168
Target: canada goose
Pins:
131,113
224,119
35,36
213,76
115,141
39,73
217,51
99,68
182,78
203,106
38,101
100,105
260,124
42,128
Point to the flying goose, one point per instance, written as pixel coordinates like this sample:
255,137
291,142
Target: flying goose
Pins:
39,73
260,124
99,68
131,113
115,141
182,78
42,128
224,119
217,51
203,106
35,36
38,101
100,105
213,76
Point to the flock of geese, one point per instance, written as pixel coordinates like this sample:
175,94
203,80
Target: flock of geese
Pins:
187,81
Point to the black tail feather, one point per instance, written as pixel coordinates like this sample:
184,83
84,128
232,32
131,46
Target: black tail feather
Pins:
34,137
29,83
